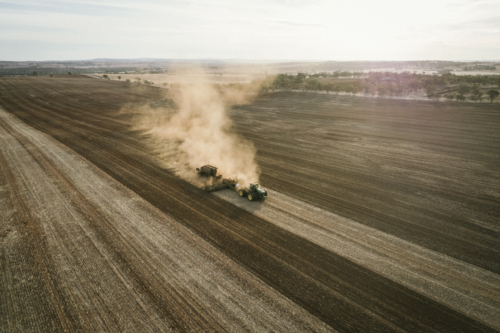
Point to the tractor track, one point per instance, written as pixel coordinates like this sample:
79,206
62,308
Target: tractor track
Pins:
233,269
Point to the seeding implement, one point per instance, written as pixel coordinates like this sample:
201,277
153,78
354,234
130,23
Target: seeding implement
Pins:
223,184
253,192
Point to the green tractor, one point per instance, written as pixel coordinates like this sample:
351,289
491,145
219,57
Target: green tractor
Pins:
253,192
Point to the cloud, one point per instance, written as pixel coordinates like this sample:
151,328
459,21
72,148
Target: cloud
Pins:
490,24
259,29
296,3
294,24
87,9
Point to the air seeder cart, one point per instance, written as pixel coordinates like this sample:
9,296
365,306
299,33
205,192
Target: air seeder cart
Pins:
253,192
208,171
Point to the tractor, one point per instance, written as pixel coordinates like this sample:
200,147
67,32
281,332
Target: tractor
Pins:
253,192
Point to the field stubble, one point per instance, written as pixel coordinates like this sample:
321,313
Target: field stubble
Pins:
117,261
353,181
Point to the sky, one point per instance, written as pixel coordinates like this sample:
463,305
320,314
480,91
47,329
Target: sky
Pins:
250,30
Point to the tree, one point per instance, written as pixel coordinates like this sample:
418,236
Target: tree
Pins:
373,90
69,73
476,93
127,80
300,78
463,89
283,81
287,83
382,90
430,91
349,89
355,90
493,94
413,85
105,76
450,97
50,74
264,88
312,84
35,73
328,87
336,88
397,90
119,77
366,88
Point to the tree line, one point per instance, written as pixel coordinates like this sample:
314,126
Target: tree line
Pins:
450,86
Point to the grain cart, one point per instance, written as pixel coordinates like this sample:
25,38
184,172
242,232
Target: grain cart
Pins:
253,192
208,171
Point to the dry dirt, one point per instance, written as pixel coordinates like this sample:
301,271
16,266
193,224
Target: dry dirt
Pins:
382,216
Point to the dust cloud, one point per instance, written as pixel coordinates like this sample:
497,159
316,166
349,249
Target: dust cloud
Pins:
199,131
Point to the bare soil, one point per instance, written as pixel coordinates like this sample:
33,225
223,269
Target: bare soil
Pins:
383,216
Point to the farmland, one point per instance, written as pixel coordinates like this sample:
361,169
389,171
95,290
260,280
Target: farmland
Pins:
383,215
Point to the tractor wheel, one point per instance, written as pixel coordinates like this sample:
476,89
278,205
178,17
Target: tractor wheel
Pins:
253,196
241,193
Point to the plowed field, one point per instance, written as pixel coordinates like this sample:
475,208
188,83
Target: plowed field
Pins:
382,216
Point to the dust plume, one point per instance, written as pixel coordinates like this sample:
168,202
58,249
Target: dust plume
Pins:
198,132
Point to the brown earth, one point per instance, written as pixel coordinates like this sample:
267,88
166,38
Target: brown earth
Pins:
424,173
